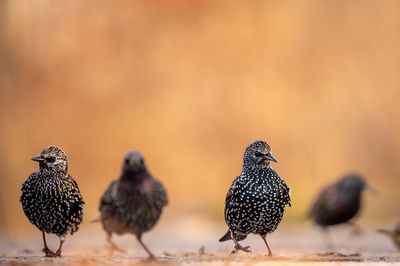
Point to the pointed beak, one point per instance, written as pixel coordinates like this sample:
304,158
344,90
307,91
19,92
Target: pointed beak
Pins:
38,158
270,157
371,189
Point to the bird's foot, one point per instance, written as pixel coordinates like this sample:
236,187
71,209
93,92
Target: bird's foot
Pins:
239,247
114,247
357,231
58,253
48,253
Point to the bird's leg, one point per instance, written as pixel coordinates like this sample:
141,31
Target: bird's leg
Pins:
387,232
151,256
265,241
114,246
58,252
239,247
357,230
46,250
327,238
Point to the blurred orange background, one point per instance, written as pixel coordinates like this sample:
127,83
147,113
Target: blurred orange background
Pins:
191,84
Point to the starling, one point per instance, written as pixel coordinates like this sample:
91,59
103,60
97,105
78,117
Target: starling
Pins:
256,199
133,203
51,198
394,235
339,202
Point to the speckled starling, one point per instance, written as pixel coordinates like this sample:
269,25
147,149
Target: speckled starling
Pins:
393,234
134,202
51,198
256,199
339,202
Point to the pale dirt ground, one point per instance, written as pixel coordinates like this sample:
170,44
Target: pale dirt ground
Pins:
194,241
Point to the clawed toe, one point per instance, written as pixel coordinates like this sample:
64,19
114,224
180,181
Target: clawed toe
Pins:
245,249
49,253
118,249
114,246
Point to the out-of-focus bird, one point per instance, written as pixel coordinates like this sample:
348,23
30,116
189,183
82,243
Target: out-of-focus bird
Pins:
256,200
51,198
339,202
134,202
393,234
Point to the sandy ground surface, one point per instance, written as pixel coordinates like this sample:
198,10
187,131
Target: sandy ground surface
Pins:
194,241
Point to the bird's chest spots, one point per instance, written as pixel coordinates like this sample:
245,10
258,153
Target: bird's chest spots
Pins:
64,187
57,193
253,190
257,202
258,198
251,196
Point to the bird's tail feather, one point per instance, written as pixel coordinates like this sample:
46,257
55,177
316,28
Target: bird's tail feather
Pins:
383,231
96,220
226,237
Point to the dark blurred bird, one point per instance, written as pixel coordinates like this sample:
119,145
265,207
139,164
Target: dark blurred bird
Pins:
339,202
256,199
393,234
51,198
134,202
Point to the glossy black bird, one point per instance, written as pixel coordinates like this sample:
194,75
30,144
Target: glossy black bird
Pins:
51,198
339,202
256,199
134,202
393,234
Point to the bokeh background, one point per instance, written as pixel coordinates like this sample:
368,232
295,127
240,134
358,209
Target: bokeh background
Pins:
191,84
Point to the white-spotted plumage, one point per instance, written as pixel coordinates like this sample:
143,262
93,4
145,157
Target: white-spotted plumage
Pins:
51,199
256,200
52,205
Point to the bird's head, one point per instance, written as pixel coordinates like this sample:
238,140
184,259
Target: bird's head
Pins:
133,162
52,159
258,154
353,183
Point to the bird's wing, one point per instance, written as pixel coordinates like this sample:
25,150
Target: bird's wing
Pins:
317,205
75,210
230,192
287,191
324,202
282,187
75,189
107,197
107,208
27,182
27,196
160,192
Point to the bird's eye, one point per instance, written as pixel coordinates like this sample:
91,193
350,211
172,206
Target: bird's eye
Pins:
50,160
126,161
259,154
